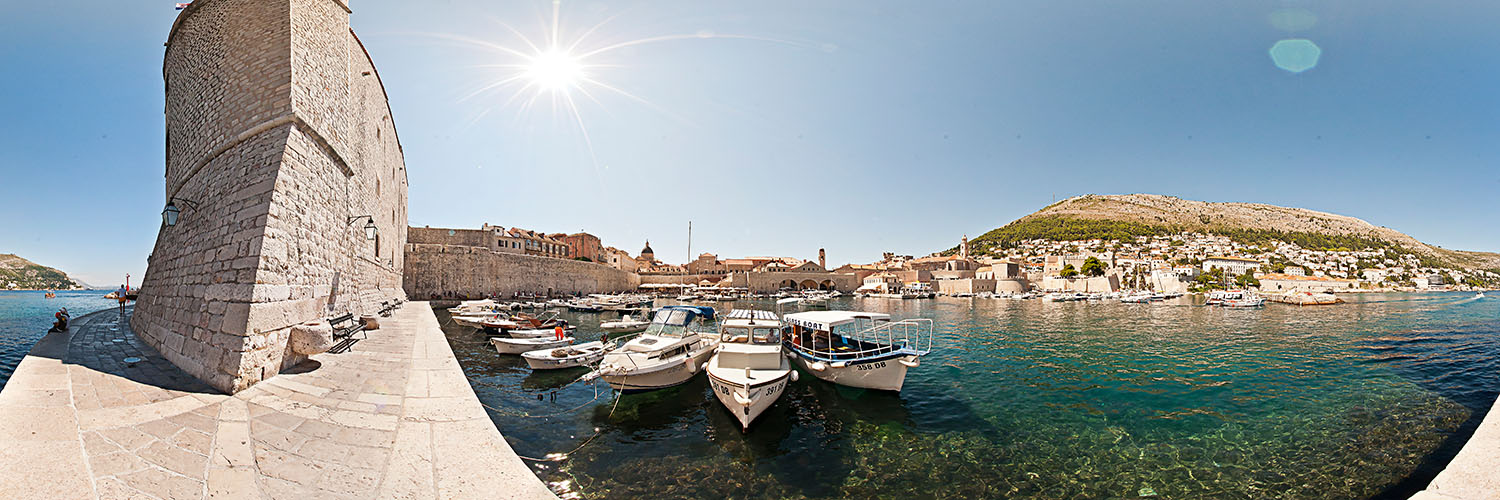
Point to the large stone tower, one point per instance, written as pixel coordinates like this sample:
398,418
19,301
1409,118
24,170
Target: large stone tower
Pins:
280,150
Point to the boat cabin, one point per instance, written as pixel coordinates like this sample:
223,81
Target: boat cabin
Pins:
840,334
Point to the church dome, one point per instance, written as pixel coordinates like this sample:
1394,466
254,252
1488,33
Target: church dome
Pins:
647,250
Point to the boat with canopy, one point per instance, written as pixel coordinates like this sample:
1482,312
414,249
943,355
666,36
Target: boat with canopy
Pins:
856,349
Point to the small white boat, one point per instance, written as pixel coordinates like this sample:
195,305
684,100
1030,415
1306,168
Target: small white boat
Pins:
537,333
669,353
469,307
626,324
478,320
1249,301
505,345
571,356
748,372
1479,295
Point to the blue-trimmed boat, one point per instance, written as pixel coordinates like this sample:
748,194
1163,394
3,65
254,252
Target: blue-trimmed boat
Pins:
857,349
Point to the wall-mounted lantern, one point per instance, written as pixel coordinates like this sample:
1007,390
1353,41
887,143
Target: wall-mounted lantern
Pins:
370,229
170,213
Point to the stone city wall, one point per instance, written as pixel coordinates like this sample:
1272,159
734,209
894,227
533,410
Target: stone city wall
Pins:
468,271
966,285
278,132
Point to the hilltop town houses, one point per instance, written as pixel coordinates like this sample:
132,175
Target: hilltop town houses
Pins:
1176,263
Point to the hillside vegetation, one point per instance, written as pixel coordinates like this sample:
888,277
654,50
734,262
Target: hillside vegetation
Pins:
1123,217
17,273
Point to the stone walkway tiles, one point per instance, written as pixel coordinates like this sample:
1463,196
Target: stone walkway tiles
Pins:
393,418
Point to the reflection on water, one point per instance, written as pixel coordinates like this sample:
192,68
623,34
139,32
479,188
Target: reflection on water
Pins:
1050,400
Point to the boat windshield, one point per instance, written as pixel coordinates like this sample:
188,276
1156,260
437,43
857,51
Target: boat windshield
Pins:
670,322
747,335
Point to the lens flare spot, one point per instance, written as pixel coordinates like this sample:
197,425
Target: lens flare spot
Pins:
1293,19
1295,55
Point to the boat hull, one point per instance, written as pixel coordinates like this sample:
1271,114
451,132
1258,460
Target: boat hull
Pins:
504,347
541,359
883,374
759,396
677,373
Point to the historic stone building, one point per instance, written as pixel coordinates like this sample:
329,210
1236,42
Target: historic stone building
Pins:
281,150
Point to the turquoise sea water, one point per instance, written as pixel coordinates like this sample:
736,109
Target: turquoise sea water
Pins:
25,317
1027,399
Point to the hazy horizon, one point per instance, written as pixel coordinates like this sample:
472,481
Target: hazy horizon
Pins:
780,128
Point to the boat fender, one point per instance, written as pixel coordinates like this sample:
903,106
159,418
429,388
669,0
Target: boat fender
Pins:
692,368
839,364
910,362
742,400
789,355
817,366
794,375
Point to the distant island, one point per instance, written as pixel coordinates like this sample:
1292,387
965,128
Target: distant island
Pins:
17,273
1307,241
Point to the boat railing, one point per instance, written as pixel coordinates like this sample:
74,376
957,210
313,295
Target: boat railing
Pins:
882,338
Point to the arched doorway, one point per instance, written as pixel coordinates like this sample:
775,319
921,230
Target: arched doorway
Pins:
809,285
787,285
827,285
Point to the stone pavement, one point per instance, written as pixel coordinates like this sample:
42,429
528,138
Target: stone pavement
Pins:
394,418
1474,474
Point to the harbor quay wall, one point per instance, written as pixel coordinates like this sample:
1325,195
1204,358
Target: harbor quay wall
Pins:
966,285
278,135
442,271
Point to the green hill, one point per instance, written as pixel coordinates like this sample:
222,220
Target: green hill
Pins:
1124,217
20,274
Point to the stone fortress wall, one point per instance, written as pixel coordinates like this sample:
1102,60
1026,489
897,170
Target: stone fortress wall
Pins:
438,270
278,132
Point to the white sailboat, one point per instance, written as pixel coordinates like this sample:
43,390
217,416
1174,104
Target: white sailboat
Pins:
748,373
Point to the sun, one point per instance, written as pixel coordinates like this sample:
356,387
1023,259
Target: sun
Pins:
554,70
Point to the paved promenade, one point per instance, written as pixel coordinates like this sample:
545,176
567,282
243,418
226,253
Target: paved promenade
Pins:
1474,474
394,418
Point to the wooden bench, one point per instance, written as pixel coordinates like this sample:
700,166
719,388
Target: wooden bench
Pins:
389,307
344,329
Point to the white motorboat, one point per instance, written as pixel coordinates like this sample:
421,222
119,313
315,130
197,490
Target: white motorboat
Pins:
572,356
857,349
671,350
626,324
472,307
505,345
1247,301
1479,295
478,320
748,373
536,333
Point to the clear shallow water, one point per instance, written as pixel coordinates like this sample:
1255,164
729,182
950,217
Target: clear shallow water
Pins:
1028,399
26,316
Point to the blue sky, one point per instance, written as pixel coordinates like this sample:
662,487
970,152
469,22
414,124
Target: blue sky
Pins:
783,127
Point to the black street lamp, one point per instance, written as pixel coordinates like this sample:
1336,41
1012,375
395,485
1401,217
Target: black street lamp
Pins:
170,213
370,229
